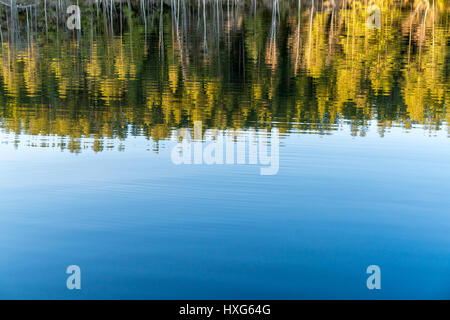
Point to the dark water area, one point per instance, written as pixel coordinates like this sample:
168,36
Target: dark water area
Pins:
240,152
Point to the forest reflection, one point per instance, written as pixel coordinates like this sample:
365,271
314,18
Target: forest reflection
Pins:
297,68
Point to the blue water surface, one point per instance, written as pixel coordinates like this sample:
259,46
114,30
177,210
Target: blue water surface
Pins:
141,227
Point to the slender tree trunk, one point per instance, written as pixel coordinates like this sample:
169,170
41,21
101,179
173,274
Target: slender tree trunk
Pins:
14,19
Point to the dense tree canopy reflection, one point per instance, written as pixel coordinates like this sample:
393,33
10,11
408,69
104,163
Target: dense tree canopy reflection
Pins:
295,67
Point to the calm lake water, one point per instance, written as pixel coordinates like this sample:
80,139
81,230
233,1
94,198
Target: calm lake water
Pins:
90,123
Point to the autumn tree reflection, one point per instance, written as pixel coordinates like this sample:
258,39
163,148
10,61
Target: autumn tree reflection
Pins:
283,64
